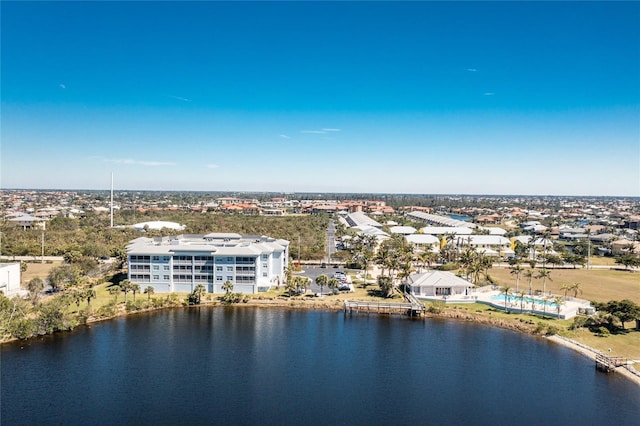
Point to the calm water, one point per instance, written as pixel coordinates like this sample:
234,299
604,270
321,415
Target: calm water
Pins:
259,366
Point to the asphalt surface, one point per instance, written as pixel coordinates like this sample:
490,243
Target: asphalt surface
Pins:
314,271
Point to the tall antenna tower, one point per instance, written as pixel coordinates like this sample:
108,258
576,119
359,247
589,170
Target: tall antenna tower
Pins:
112,199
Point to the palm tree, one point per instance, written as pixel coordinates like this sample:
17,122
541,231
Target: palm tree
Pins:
386,285
575,287
382,257
545,274
89,294
322,280
559,301
517,271
333,284
227,287
405,272
529,274
506,290
521,296
125,287
565,287
114,291
199,291
149,290
135,288
288,273
77,296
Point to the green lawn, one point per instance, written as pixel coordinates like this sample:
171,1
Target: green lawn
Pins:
600,285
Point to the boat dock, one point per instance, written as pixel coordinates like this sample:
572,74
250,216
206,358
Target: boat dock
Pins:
412,309
609,363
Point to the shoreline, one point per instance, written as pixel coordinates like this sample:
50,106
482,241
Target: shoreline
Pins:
447,314
591,353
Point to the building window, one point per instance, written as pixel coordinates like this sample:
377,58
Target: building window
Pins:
219,268
165,277
265,256
229,278
156,277
156,258
229,268
229,259
165,267
264,274
218,278
156,267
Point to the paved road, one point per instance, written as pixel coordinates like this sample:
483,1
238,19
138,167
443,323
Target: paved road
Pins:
331,240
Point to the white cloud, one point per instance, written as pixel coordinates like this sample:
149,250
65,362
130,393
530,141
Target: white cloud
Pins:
62,86
283,136
331,130
130,161
315,132
472,69
179,98
488,93
212,166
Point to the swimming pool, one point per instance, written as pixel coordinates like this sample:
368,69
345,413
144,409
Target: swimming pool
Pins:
527,299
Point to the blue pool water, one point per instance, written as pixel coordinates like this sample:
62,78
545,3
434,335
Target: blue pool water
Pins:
528,299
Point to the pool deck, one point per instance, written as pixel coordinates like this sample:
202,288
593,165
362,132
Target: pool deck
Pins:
486,295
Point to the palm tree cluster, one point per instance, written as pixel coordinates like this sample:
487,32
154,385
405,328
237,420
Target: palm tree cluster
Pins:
362,252
396,259
475,264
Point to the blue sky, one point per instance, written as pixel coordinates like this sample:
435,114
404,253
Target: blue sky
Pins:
535,98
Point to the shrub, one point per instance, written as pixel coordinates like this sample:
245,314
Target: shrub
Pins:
435,307
539,328
551,330
134,306
603,332
22,328
448,266
578,322
108,310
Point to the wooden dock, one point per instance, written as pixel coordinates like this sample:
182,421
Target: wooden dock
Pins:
609,363
385,308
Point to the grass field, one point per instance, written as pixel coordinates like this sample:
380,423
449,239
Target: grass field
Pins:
40,270
600,285
624,344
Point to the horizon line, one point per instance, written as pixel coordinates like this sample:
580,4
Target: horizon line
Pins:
324,192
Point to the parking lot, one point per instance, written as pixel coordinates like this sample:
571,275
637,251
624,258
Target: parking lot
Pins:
314,271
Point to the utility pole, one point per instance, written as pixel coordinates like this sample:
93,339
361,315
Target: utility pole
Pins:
112,199
44,228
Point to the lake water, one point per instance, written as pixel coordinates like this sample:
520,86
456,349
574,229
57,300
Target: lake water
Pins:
269,366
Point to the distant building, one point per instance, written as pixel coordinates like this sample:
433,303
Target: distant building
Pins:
361,219
158,225
424,242
10,278
177,264
490,245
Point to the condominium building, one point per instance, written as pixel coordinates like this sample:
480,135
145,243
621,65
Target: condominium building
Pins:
179,263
